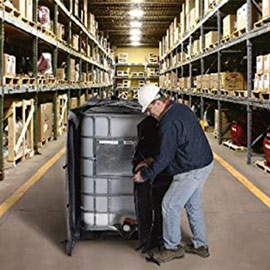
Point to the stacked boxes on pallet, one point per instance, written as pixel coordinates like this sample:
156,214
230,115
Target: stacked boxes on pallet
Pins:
25,7
45,124
262,76
266,8
211,38
229,81
241,17
229,25
9,65
122,58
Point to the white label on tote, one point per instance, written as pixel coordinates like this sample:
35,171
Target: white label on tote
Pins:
108,142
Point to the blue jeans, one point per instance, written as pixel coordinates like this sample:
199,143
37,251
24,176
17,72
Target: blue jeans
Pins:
185,191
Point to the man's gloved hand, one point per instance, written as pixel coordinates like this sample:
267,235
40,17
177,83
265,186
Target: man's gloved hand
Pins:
138,177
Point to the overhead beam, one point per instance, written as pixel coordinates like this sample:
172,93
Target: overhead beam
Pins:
159,17
145,4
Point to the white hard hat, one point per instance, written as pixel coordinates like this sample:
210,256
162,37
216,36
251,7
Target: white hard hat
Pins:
147,94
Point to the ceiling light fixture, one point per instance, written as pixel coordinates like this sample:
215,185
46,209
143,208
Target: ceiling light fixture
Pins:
135,32
136,13
135,24
135,38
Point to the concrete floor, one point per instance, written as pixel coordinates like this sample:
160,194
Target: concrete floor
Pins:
32,231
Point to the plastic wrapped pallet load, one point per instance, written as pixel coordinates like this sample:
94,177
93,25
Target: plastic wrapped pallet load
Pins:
100,145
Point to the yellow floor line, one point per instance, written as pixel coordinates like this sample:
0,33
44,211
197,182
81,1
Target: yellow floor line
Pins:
242,179
7,204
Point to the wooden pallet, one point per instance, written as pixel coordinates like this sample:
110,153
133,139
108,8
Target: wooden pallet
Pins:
198,20
231,145
45,142
262,165
262,22
9,80
206,91
62,101
226,39
239,32
226,93
261,95
265,95
205,49
22,146
215,92
241,93
255,94
45,30
213,4
27,21
12,10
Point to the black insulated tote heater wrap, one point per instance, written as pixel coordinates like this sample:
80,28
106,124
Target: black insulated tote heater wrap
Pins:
101,140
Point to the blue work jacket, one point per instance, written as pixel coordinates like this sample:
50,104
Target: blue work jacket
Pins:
183,145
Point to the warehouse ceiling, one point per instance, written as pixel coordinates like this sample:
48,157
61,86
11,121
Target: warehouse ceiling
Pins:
114,19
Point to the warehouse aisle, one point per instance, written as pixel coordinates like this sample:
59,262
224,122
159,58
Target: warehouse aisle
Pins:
32,231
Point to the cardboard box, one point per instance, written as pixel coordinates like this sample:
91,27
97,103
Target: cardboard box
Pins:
182,24
199,82
266,64
232,81
29,9
198,10
75,42
45,127
260,64
206,6
9,65
214,81
211,38
241,18
229,25
257,82
226,134
73,76
266,8
60,31
20,5
73,102
122,57
60,74
266,82
192,21
183,83
82,99
76,8
205,81
196,46
72,64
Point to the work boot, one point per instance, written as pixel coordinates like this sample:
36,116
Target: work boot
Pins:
202,251
166,255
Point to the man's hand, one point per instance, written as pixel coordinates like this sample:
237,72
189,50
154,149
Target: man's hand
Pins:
138,177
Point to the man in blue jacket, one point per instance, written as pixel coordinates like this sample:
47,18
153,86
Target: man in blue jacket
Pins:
184,153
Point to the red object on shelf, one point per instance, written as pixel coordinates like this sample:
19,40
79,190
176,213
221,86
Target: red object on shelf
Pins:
239,133
266,148
239,130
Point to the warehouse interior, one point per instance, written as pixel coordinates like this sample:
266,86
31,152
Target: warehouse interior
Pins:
58,57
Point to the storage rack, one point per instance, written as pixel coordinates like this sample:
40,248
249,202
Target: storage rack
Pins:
247,42
145,77
11,19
